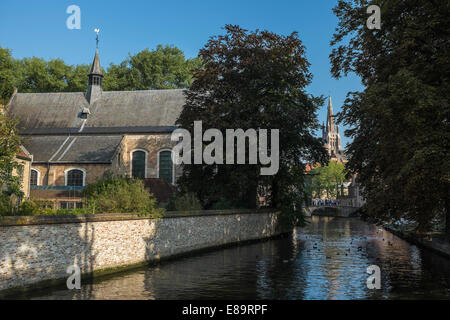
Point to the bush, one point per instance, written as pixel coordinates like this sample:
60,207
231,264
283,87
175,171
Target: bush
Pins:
222,204
185,202
28,208
6,205
45,208
110,195
120,195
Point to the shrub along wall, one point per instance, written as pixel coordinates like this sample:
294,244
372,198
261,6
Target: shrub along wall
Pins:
40,248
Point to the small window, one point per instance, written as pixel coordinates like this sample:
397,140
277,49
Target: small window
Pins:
69,205
34,176
165,166
75,178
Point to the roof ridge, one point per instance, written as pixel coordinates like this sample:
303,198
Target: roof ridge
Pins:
64,92
80,92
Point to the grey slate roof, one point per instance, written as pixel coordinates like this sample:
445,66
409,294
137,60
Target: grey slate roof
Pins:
73,149
66,128
112,109
99,130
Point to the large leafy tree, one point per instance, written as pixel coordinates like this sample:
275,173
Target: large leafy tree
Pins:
38,75
254,80
328,179
8,75
76,78
163,68
400,121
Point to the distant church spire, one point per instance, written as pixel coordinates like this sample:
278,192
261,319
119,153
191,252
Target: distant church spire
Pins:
330,116
95,77
331,134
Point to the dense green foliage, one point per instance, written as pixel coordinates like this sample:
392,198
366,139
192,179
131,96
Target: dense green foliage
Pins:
120,195
184,202
109,195
400,121
326,180
9,147
254,80
223,204
8,207
8,78
162,68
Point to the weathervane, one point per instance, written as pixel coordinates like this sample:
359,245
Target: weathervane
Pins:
96,38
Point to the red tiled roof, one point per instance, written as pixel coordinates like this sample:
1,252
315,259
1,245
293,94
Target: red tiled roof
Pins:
22,154
54,194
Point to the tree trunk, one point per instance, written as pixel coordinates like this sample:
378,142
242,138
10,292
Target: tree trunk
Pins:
447,218
274,193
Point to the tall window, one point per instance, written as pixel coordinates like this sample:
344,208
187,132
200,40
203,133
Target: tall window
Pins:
138,164
34,177
75,178
20,170
166,166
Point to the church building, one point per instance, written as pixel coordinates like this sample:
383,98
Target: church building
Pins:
76,137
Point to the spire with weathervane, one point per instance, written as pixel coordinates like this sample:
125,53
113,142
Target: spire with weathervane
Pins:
94,91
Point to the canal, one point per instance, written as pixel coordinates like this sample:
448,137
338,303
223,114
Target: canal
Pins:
327,259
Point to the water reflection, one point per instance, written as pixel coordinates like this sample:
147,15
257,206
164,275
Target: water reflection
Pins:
325,260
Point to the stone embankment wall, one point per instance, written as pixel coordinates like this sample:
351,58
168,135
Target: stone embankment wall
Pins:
34,250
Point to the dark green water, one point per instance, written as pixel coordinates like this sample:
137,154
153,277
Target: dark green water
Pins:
326,260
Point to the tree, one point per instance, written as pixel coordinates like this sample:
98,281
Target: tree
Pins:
400,121
120,194
254,80
77,78
328,179
8,77
163,68
9,147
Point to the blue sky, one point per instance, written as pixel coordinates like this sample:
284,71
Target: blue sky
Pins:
38,28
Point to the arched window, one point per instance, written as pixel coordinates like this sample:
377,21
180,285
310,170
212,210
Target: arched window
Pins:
34,177
138,163
165,166
75,178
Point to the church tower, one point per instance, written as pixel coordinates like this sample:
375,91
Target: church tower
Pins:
330,134
94,91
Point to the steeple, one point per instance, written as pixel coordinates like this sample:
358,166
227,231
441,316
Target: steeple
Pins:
331,133
330,117
94,91
95,80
